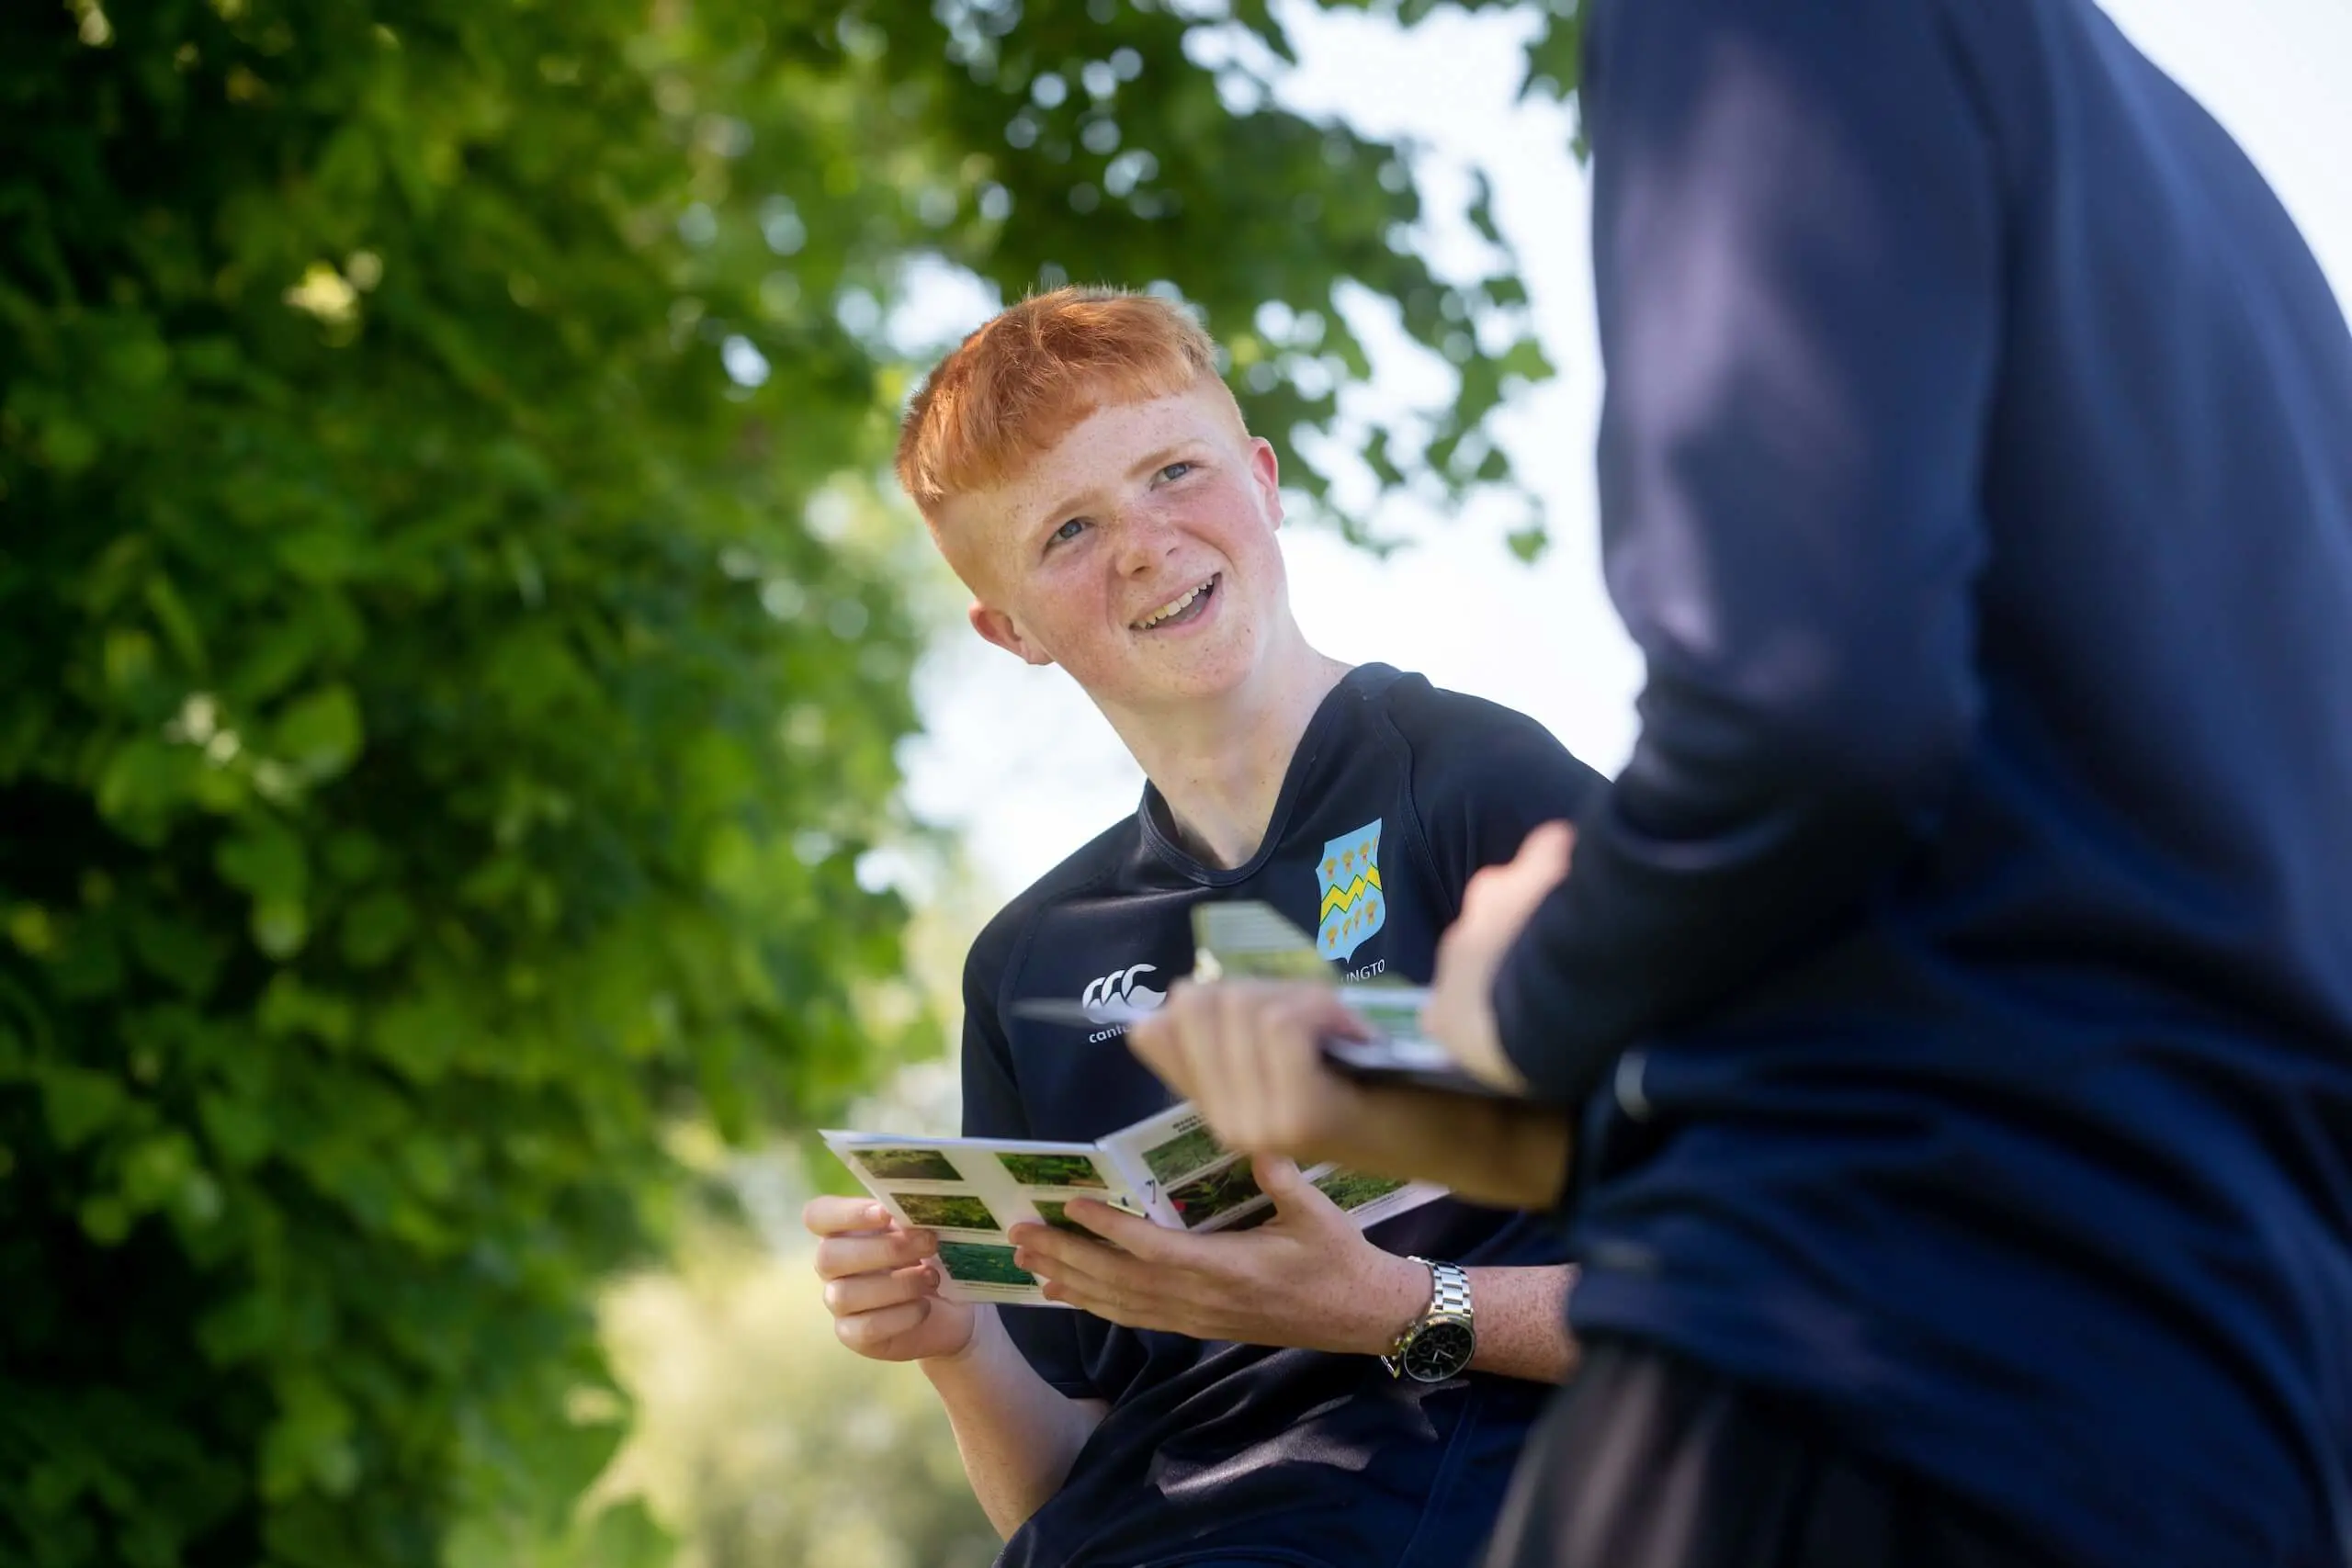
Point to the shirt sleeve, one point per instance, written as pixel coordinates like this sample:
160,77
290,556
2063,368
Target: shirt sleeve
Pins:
1480,787
1046,1336
1797,251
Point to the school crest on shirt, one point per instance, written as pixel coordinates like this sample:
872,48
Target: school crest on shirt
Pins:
1353,904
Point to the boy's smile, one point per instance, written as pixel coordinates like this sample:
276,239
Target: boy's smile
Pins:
1186,609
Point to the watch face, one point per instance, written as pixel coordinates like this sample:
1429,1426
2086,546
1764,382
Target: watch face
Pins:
1439,1351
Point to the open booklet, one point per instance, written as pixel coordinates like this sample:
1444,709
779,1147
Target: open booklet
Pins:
1168,1167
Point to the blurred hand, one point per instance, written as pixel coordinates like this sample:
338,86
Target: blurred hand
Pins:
1307,1278
1495,906
880,1284
1249,1055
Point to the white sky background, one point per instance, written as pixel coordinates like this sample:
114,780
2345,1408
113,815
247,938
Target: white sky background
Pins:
1020,762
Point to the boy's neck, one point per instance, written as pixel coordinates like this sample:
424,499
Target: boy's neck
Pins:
1220,765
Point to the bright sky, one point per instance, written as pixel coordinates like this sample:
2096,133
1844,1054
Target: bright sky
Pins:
1020,762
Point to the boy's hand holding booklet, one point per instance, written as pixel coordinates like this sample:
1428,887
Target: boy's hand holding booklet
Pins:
1168,1167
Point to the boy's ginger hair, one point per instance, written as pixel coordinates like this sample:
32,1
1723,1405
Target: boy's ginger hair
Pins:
1021,381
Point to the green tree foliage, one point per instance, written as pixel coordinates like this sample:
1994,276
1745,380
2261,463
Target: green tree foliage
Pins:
444,694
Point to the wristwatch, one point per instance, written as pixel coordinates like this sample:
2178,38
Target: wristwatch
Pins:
1439,1344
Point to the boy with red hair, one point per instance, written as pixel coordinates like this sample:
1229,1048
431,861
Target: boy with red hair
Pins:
1302,1394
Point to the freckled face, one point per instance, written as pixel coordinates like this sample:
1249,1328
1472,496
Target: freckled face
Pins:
1138,553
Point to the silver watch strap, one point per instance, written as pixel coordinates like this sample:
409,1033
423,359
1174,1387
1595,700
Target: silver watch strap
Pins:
1449,1298
1450,1291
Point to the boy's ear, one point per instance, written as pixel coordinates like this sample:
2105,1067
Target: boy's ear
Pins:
994,626
1265,473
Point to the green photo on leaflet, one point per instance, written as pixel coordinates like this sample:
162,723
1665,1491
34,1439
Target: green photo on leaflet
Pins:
978,1263
1351,1190
907,1165
1179,1155
1220,1192
1288,965
949,1211
1056,1214
1052,1170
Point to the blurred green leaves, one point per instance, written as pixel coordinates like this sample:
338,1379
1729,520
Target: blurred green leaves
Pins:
372,698
452,658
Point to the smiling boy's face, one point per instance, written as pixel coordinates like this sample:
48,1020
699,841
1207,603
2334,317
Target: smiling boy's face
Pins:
1137,552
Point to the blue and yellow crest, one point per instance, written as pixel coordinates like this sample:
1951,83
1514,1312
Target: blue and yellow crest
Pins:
1353,904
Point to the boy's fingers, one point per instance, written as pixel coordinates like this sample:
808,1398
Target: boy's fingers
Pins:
1060,1251
867,1329
834,1217
871,1293
1281,1179
1069,1261
1116,1226
839,1256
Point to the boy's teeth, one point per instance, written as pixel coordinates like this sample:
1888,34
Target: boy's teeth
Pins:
1173,607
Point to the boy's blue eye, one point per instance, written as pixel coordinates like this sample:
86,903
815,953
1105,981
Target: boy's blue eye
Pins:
1175,470
1070,530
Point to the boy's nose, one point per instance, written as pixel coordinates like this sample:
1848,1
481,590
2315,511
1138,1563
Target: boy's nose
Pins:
1145,540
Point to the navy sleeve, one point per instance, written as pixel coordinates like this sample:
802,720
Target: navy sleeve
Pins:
1797,255
1046,1336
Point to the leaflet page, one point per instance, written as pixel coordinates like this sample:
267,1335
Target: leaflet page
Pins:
1398,1053
1190,1182
971,1190
1368,1199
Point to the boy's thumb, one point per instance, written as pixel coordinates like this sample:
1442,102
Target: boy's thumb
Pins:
1280,1178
